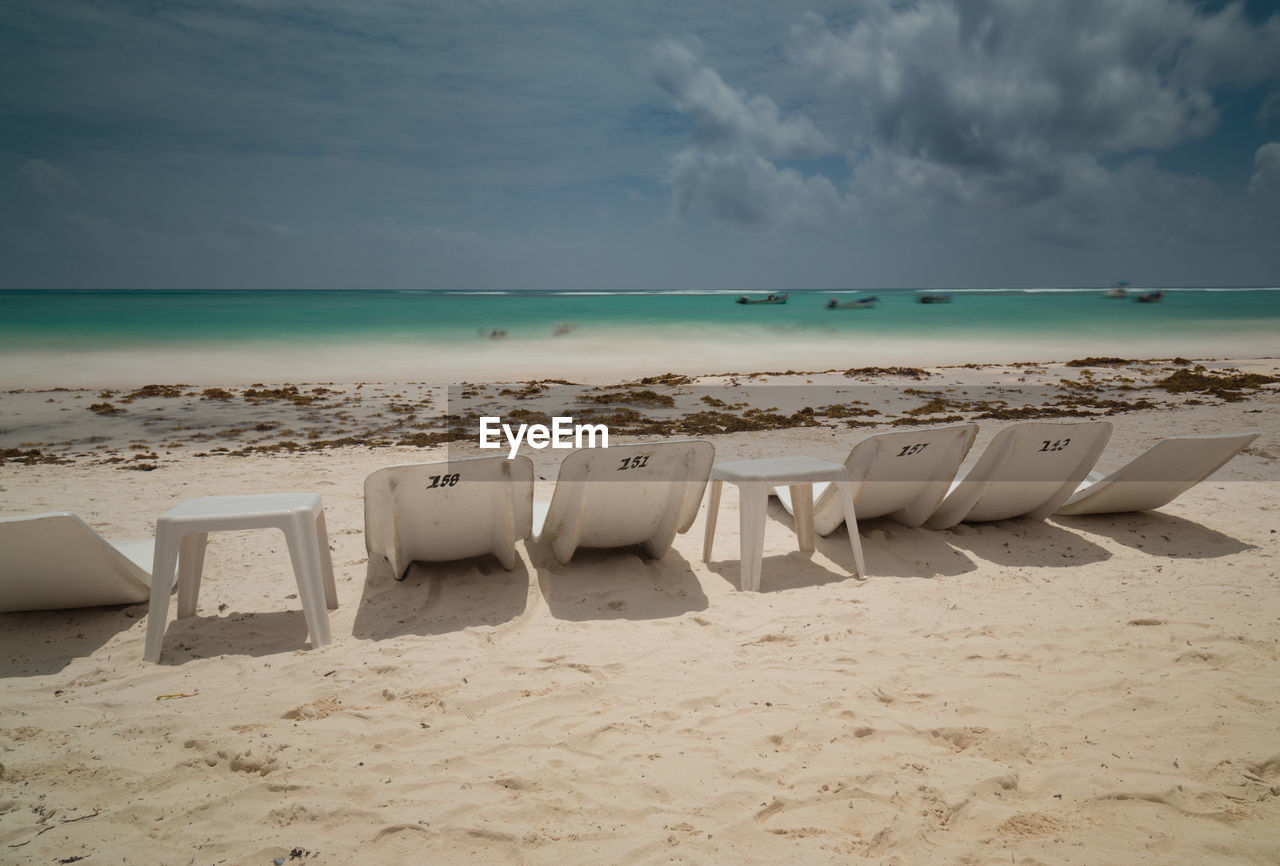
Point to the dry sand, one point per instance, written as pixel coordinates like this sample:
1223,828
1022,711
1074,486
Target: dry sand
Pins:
1079,690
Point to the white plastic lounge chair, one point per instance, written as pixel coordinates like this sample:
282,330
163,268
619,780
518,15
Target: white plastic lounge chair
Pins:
1157,476
1028,470
623,495
55,561
902,475
436,512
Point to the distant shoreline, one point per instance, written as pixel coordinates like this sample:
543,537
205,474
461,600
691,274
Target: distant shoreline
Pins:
1209,287
581,357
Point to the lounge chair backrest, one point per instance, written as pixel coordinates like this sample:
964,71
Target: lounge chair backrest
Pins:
54,561
436,512
904,474
1158,475
627,494
1028,470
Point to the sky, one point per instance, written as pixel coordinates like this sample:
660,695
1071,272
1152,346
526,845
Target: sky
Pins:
672,144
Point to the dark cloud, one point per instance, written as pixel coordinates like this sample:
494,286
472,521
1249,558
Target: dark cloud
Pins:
407,145
1004,93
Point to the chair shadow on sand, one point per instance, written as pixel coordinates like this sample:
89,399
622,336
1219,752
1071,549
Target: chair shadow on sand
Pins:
596,585
618,583
25,647
439,597
1025,543
1158,534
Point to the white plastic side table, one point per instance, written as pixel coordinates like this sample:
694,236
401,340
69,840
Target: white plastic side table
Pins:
754,479
185,529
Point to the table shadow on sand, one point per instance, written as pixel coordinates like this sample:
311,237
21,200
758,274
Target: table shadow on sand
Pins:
791,569
889,549
235,633
893,550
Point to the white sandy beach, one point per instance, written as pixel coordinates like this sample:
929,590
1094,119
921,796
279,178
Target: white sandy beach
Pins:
256,248
1078,690
612,356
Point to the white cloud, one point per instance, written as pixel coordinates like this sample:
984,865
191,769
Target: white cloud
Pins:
722,115
728,173
47,179
985,100
1266,175
747,189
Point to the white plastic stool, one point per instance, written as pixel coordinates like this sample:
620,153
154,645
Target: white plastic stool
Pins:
185,529
754,479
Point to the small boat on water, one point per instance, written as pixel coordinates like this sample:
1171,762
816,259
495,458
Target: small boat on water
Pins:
935,298
1119,290
1150,298
855,304
772,298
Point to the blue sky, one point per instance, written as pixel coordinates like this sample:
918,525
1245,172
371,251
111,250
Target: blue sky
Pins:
697,144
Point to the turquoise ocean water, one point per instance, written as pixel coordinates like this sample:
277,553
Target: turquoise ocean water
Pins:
113,320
